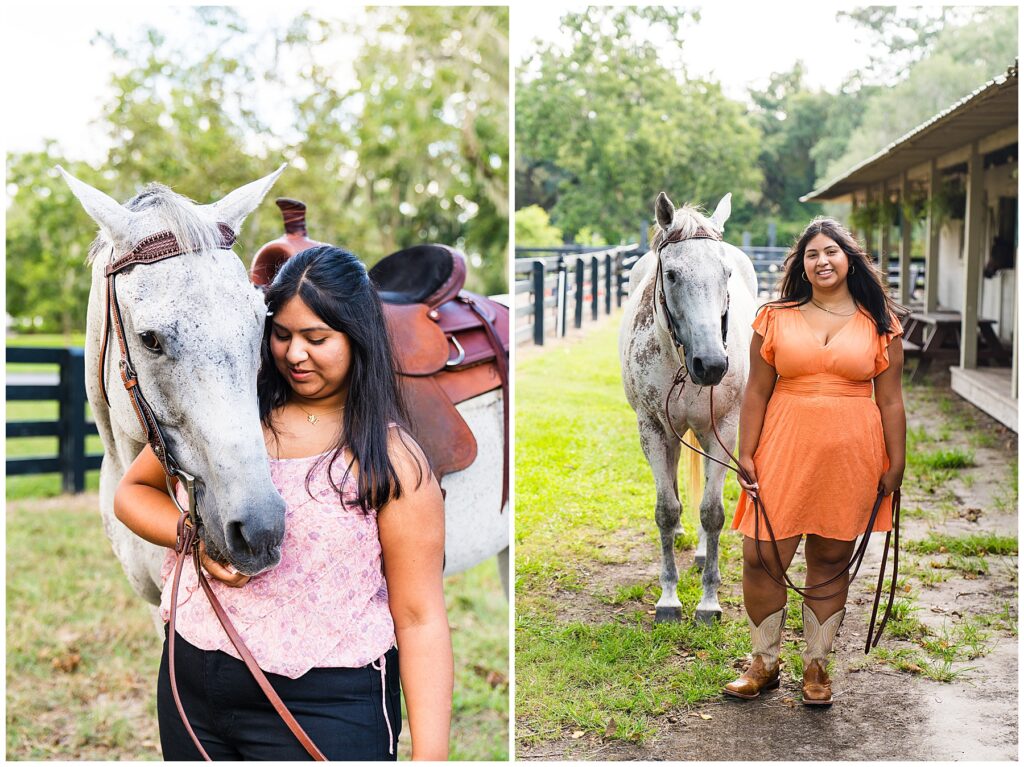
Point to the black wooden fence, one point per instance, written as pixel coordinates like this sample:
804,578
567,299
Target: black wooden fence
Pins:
585,278
70,428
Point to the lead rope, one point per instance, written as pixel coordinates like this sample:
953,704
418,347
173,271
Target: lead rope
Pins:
384,698
759,510
187,544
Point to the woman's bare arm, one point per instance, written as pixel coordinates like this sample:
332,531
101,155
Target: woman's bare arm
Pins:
889,398
412,540
141,502
760,385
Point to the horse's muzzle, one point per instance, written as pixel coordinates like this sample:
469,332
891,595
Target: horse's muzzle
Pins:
708,371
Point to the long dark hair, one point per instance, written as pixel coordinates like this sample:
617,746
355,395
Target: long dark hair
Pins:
863,279
334,284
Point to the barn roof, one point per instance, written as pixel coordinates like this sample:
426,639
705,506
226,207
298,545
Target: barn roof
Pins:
990,108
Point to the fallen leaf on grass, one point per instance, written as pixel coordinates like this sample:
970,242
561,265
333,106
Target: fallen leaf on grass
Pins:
610,728
577,735
67,663
493,678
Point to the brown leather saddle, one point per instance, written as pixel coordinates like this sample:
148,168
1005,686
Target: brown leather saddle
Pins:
450,345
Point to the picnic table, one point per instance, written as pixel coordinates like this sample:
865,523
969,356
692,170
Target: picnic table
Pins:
931,336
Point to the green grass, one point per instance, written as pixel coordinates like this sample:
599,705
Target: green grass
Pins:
67,597
971,545
946,459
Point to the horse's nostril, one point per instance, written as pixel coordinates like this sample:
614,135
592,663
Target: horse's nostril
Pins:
235,534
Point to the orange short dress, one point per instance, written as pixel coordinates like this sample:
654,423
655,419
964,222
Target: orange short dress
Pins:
821,451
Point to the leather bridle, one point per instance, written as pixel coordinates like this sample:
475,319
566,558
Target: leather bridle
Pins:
660,302
159,247
759,508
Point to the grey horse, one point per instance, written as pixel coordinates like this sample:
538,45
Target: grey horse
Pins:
710,291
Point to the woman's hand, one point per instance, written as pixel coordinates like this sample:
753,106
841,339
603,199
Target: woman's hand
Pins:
747,467
226,574
891,480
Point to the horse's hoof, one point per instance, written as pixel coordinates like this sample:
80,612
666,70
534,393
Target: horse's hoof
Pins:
707,617
668,614
698,562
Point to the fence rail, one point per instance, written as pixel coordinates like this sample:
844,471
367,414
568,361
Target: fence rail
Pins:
71,427
587,278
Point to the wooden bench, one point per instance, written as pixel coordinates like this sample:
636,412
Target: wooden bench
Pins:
932,336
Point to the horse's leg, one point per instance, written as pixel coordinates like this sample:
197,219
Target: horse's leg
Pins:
503,569
702,548
712,518
663,456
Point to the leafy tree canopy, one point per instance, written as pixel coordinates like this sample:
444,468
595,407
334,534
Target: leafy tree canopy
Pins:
416,151
608,125
950,61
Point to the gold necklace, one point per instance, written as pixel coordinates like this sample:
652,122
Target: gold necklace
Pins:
837,314
313,418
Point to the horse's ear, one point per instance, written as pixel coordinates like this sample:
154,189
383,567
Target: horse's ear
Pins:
236,205
722,212
114,219
665,211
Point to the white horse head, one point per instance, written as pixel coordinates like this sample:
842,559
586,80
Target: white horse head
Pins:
193,326
695,274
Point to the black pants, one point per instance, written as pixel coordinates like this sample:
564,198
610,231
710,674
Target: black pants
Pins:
341,709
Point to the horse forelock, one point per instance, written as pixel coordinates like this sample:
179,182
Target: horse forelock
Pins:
687,220
174,213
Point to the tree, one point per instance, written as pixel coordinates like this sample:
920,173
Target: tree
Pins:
416,150
953,61
612,125
48,236
788,115
533,228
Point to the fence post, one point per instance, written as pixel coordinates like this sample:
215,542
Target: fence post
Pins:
563,296
607,283
538,302
579,292
72,420
594,287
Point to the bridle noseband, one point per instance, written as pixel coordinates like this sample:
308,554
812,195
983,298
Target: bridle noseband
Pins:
159,247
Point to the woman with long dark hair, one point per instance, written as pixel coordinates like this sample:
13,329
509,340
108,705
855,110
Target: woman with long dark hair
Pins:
815,446
362,558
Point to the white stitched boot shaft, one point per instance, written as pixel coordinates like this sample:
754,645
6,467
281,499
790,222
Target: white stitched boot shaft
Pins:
766,639
820,636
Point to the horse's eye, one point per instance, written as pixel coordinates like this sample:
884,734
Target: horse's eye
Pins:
150,341
670,276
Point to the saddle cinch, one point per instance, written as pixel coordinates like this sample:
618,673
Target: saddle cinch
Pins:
450,345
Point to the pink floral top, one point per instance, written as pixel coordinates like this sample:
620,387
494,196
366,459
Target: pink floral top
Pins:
324,605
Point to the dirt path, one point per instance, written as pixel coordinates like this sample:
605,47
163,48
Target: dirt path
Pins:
880,713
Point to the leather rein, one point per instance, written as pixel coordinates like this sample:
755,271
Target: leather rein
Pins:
158,247
760,511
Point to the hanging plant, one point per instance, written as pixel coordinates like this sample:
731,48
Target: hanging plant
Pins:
949,201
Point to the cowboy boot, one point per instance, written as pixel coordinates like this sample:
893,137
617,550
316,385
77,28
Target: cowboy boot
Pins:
819,637
763,672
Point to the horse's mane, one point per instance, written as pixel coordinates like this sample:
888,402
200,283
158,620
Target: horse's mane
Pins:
180,216
687,220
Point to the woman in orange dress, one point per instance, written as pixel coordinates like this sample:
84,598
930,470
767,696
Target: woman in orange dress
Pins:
815,445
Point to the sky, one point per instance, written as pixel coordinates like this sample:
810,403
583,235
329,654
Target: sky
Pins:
741,55
71,70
